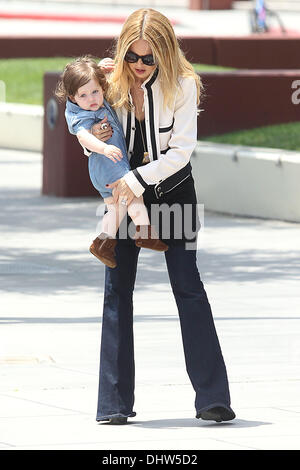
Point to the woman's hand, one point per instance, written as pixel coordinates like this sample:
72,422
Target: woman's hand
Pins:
121,192
107,65
102,134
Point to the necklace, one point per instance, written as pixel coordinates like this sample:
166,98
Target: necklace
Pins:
146,158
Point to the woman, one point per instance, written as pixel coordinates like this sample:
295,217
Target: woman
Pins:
155,92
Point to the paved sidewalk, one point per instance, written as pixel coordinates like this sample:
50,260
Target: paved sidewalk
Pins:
51,304
235,22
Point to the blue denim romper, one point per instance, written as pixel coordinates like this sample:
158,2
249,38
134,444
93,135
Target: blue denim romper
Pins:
102,170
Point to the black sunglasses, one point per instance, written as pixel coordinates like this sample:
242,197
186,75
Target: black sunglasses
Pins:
132,57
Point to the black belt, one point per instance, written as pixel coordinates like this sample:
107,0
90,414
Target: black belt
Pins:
173,181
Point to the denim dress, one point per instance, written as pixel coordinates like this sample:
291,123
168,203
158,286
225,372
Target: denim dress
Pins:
102,170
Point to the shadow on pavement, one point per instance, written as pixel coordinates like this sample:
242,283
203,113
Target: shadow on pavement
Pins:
188,423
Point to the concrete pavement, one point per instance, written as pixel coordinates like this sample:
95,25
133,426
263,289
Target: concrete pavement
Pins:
51,307
235,22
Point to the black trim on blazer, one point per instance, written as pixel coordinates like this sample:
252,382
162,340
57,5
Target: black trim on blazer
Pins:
151,114
167,129
128,129
173,181
139,178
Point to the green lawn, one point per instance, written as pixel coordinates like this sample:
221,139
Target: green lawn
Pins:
211,68
23,78
282,136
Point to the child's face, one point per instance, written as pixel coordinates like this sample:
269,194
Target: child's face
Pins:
89,96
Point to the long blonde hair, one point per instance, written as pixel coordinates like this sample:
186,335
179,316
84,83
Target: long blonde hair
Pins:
156,29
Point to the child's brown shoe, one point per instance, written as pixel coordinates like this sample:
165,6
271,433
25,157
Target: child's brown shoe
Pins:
146,237
103,247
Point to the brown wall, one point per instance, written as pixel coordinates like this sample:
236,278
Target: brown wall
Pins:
210,4
254,51
258,52
247,99
54,46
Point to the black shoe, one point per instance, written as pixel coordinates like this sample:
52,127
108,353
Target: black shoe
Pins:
121,420
218,414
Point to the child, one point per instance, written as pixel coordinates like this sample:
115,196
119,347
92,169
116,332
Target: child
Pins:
83,86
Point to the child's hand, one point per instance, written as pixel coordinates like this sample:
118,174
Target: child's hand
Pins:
113,153
107,65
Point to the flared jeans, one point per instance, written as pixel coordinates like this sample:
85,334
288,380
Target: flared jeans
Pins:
203,357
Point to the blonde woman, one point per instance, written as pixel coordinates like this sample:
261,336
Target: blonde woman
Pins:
155,92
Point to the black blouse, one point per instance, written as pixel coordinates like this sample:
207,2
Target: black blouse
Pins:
138,147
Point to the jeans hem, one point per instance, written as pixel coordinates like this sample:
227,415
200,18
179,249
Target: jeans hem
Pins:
213,405
115,415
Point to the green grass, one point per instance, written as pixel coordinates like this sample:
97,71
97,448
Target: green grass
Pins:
282,136
23,78
211,68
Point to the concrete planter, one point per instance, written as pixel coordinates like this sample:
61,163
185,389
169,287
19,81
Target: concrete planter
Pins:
21,126
248,181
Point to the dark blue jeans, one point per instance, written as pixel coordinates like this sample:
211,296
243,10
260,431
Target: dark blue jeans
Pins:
203,356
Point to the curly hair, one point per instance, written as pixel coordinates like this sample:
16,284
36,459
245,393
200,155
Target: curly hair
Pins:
77,74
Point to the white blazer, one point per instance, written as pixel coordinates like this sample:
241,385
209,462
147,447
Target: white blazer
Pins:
171,132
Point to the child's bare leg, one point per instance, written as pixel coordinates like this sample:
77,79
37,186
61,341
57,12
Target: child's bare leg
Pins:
112,219
138,212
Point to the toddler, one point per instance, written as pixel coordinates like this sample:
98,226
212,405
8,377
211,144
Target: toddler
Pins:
83,86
